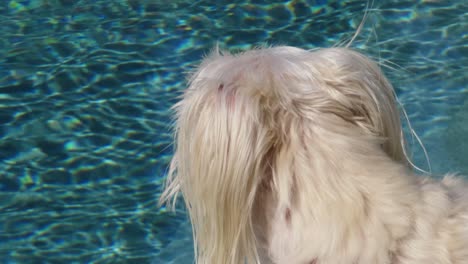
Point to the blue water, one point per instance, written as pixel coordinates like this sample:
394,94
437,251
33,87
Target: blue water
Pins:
86,87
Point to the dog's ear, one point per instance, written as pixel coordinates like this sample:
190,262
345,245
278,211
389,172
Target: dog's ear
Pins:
220,142
357,84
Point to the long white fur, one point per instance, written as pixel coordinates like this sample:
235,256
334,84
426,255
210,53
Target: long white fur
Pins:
290,156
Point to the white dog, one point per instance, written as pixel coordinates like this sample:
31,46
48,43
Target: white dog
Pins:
290,156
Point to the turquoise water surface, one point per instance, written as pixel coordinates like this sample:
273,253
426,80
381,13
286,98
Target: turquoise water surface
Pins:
86,87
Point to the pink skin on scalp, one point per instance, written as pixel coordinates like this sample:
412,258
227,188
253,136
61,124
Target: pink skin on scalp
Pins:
228,94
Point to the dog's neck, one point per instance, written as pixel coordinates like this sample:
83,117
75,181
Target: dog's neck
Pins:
339,215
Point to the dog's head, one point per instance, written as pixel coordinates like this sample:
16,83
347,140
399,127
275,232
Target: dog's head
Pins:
272,117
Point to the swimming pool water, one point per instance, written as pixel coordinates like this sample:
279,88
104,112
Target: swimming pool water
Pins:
86,87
